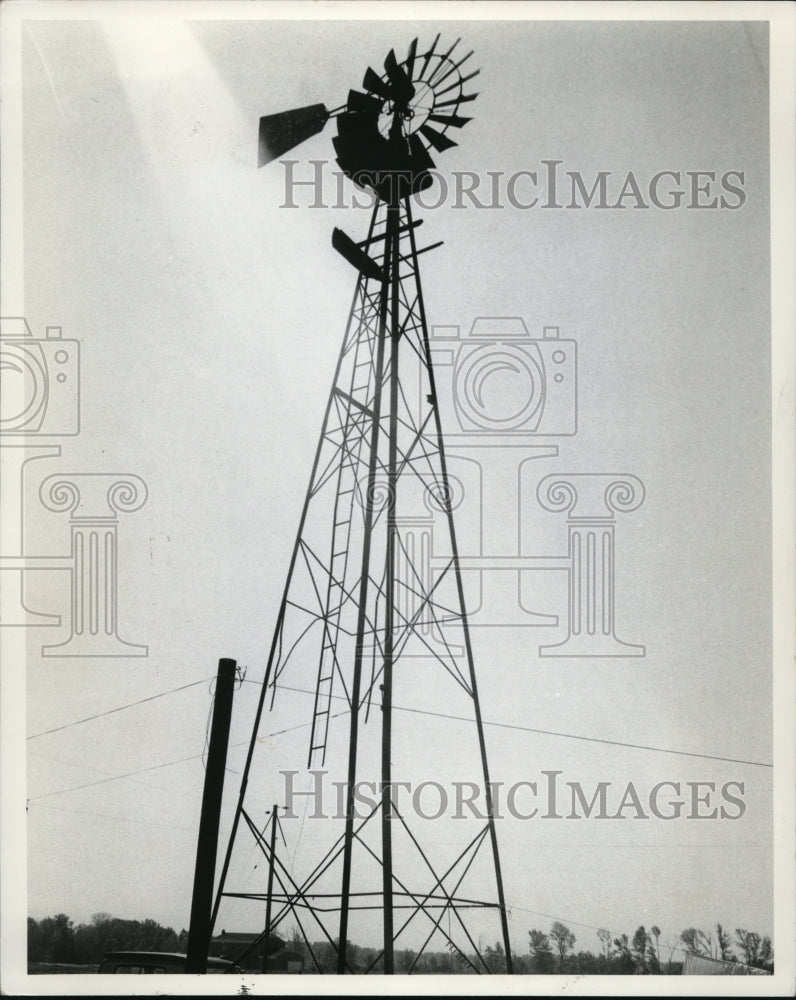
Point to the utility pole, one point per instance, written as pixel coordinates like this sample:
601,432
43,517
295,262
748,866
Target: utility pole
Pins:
204,874
270,888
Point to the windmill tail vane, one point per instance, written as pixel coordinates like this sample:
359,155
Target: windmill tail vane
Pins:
368,641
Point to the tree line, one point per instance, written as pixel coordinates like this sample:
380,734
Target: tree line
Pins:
643,953
58,940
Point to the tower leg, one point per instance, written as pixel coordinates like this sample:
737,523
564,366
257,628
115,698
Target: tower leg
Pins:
356,686
393,224
465,625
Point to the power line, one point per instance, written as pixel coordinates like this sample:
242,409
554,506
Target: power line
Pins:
121,708
590,739
86,768
116,777
156,767
119,819
401,708
551,916
550,732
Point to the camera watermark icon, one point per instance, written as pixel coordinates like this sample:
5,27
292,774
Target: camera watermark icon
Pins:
499,381
507,401
40,382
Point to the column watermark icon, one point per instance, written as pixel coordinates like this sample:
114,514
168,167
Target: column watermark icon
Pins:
40,380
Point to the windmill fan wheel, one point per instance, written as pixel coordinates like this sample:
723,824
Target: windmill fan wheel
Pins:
385,133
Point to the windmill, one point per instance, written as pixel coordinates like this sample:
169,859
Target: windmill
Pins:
359,619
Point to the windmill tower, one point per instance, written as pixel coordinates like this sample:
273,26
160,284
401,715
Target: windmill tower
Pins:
381,651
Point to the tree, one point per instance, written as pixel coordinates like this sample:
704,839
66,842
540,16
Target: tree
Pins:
295,941
586,963
655,931
605,938
404,960
624,960
766,954
541,952
495,958
693,940
639,948
723,944
61,935
673,945
35,943
707,943
749,943
564,939
102,925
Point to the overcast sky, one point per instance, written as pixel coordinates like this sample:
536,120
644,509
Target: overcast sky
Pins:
209,319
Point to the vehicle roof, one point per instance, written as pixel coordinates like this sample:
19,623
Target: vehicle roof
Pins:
144,955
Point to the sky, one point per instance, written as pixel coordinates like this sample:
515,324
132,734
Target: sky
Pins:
209,318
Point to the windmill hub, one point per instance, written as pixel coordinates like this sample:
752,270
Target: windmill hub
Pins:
413,115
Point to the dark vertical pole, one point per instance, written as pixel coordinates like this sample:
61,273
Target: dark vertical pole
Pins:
373,467
270,889
207,846
389,597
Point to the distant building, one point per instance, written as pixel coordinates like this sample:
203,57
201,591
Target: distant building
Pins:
286,960
701,965
233,944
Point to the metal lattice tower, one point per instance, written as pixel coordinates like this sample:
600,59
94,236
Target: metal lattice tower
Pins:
361,621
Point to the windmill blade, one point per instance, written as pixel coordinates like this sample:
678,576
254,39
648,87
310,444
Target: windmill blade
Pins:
344,159
402,89
458,83
373,82
428,56
363,104
281,132
420,155
410,59
453,120
358,143
455,100
439,141
453,68
443,59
